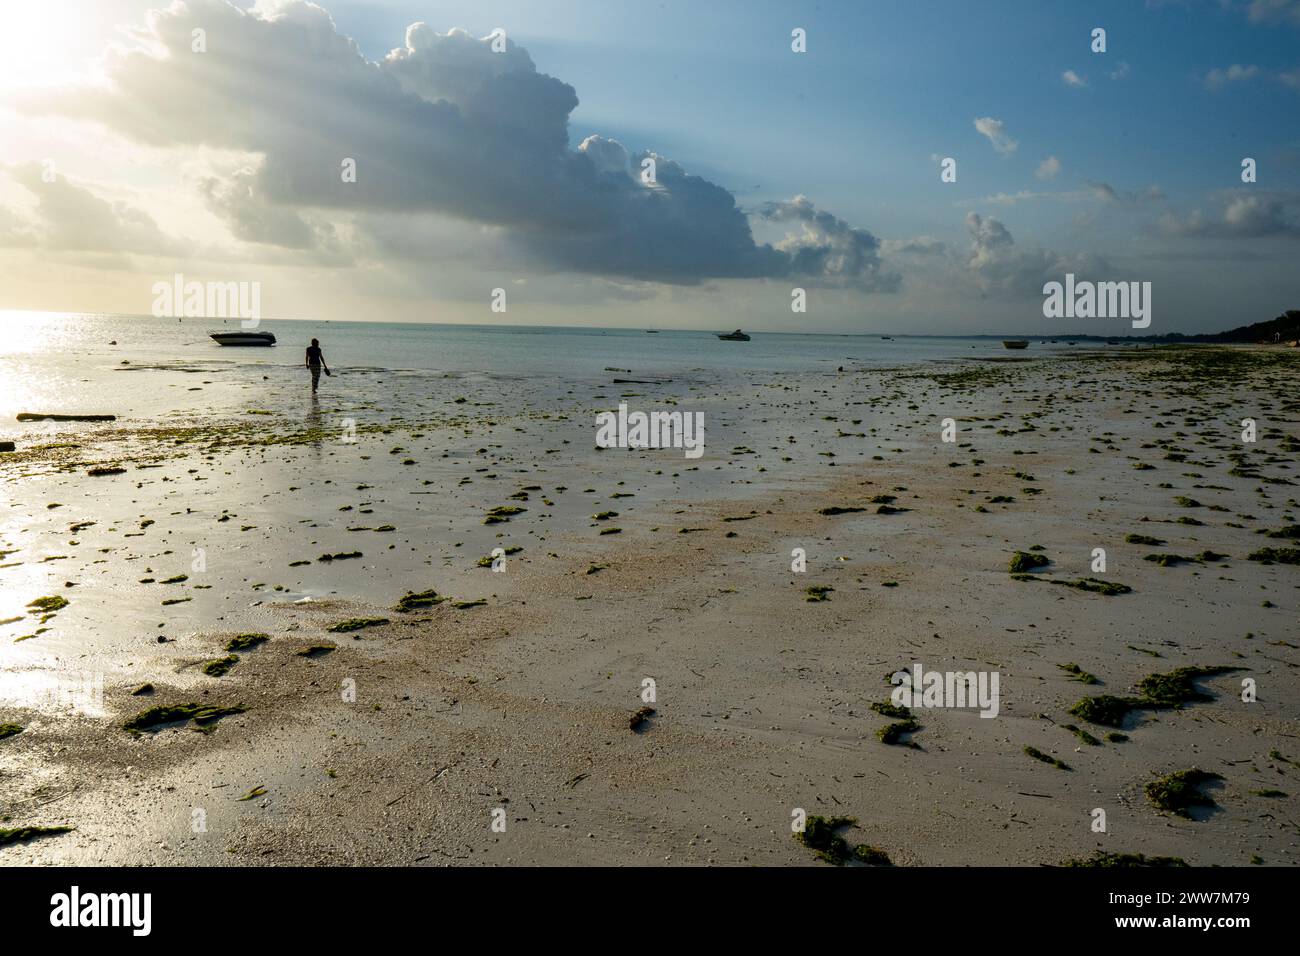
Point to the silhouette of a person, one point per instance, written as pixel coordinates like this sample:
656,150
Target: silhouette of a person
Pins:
316,361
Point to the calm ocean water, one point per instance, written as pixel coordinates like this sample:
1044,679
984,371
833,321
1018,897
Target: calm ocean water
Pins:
67,361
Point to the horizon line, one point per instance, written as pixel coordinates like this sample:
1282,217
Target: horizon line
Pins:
610,328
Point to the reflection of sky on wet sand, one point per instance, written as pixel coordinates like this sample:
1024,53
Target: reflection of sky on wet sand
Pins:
53,692
254,511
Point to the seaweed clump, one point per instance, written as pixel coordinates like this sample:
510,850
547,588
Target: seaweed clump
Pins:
819,834
246,642
22,834
1105,860
893,733
356,624
1275,555
415,600
1078,673
1046,758
1159,692
157,716
1178,686
1024,561
1177,792
221,666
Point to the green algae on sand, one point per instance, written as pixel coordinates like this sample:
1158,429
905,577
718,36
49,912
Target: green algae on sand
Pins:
1045,758
9,730
1104,860
1177,793
1092,585
819,835
246,642
1105,709
49,605
416,600
356,624
1159,692
1275,556
1178,686
23,834
1023,562
171,714
221,666
1078,673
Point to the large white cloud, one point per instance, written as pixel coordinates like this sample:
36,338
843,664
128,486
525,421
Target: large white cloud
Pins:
442,126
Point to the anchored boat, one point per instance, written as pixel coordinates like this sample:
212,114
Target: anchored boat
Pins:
1015,343
736,336
243,338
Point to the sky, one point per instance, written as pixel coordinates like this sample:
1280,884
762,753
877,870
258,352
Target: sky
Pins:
501,146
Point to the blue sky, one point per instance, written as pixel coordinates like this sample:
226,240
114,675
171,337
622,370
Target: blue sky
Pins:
1123,165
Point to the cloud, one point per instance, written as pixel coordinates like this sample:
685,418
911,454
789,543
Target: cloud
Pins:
1073,80
999,267
236,201
1275,11
1120,72
1291,79
1048,168
1027,195
1108,194
995,131
1218,78
442,126
71,218
917,246
830,247
1259,215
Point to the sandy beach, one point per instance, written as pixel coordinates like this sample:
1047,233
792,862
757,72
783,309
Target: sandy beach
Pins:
491,722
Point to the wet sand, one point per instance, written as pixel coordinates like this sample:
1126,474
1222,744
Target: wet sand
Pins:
763,698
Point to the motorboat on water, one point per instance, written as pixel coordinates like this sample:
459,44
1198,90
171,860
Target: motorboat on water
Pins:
1015,343
243,338
736,336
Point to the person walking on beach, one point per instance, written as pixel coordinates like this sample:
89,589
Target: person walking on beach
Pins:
316,361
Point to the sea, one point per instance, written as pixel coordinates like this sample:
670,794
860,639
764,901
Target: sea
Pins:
67,362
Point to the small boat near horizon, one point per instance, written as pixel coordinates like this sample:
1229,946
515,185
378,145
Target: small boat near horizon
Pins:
242,338
736,336
1015,343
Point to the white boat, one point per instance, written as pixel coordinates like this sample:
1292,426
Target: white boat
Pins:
243,338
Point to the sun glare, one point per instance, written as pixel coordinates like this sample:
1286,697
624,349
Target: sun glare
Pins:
40,43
